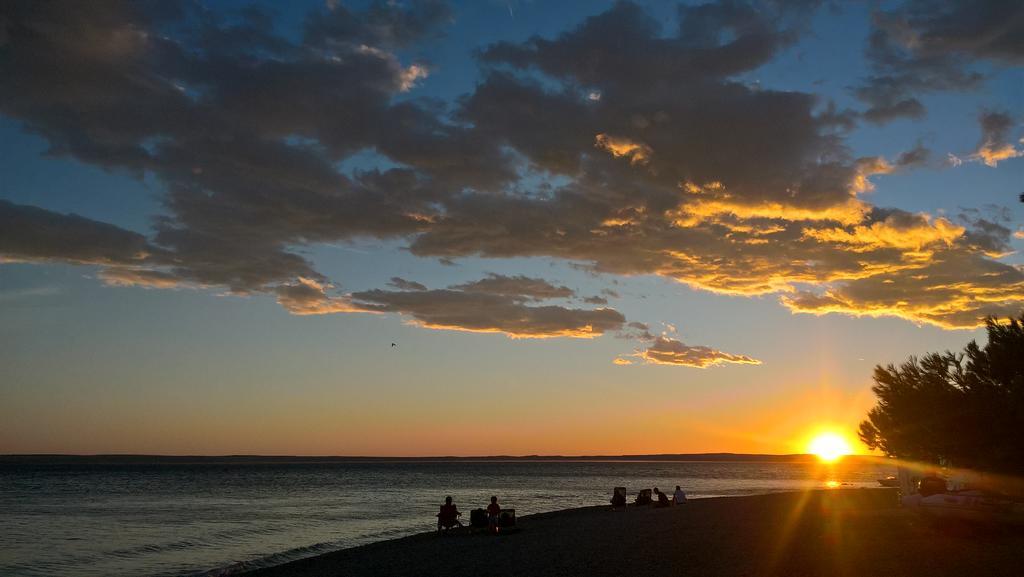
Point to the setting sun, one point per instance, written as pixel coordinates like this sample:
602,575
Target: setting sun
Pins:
829,447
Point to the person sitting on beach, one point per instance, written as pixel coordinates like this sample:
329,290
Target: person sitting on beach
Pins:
662,498
493,511
449,515
679,497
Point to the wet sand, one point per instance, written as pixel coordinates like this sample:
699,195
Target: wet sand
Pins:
843,532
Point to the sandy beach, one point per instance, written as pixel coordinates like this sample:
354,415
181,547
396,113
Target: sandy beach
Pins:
839,532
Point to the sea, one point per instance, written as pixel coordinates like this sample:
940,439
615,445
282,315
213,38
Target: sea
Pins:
210,517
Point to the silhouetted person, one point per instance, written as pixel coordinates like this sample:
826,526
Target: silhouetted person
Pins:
493,512
679,497
449,515
662,498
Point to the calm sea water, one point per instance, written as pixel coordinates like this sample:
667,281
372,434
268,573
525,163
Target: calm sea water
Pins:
188,519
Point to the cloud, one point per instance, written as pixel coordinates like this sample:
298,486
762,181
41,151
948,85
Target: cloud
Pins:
636,331
516,287
494,304
897,230
989,29
383,24
636,152
27,294
996,145
667,351
922,46
915,157
719,185
141,277
952,291
30,234
309,297
483,307
406,285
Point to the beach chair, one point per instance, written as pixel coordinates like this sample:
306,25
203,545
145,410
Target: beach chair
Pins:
507,519
477,520
643,498
619,498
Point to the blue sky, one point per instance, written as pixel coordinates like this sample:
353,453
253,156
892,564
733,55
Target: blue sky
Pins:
106,351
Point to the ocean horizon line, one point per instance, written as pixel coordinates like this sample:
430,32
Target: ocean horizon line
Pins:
128,458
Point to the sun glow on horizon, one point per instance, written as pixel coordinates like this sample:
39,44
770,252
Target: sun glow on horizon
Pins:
829,447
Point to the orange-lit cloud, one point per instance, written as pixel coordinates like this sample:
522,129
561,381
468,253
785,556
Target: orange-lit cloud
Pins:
309,297
992,154
487,312
519,287
148,278
890,233
996,145
667,351
31,234
743,191
636,152
954,291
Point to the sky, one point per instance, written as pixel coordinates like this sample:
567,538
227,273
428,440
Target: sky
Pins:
494,228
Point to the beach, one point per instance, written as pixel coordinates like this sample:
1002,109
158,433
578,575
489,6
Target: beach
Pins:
826,532
222,515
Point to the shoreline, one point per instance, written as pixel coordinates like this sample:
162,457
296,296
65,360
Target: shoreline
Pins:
816,532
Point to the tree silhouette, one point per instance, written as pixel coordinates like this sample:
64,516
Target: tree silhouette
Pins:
965,409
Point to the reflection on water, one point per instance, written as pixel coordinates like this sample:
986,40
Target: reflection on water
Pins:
173,519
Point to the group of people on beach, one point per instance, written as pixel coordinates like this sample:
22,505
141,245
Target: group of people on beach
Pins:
449,515
644,497
678,498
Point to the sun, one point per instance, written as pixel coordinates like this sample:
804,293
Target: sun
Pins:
829,447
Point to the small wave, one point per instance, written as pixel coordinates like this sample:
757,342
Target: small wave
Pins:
272,559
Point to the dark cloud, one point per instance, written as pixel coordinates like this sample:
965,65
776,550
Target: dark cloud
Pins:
915,157
992,29
996,143
383,24
986,229
406,285
923,46
244,127
31,234
666,351
617,146
309,297
517,287
636,331
477,307
595,300
624,48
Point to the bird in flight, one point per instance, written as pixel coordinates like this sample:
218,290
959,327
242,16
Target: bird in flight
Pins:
393,345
